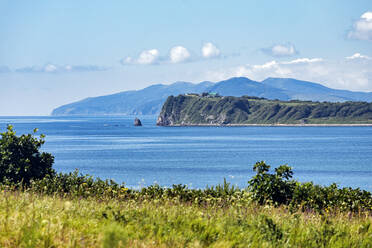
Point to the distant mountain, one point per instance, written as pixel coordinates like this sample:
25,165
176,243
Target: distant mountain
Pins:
308,91
149,101
240,86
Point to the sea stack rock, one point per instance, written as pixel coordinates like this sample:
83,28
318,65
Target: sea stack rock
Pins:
137,122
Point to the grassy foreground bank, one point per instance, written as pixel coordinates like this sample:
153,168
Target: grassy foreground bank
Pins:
28,219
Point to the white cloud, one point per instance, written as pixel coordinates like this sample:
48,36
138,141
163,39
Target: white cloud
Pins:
354,74
146,57
362,28
302,60
267,65
358,56
367,16
209,50
179,54
281,50
53,68
50,68
128,60
275,64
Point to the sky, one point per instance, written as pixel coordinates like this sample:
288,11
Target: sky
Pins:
57,52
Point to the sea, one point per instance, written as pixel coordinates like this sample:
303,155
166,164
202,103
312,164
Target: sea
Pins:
111,147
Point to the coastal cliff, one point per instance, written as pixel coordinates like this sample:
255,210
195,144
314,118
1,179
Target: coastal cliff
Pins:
209,110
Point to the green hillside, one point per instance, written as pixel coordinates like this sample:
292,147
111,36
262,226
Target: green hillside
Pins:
211,110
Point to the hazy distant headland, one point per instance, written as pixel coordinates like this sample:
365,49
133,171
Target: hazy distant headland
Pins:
214,110
149,101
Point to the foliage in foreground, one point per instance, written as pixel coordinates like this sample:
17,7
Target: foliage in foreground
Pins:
264,188
21,159
28,219
278,188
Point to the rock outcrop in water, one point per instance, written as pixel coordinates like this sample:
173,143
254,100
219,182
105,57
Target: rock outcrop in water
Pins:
188,110
137,122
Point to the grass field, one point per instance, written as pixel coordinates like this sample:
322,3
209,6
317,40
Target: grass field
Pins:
36,220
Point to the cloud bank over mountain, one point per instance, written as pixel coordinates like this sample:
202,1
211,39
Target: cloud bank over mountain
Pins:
352,72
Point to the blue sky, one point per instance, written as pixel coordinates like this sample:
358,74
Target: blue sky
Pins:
56,52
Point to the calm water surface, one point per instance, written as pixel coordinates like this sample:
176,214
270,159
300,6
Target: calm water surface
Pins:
111,147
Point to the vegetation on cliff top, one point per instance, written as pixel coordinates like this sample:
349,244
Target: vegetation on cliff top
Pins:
197,110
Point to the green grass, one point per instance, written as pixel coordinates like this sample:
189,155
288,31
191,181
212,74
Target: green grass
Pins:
28,219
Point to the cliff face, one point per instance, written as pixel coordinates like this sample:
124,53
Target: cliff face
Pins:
195,110
171,111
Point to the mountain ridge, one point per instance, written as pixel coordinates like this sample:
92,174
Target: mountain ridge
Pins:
149,100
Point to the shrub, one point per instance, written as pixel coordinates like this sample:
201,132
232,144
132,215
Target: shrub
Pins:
320,198
21,159
275,188
78,185
278,189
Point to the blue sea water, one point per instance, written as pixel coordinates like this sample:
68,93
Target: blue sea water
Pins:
111,147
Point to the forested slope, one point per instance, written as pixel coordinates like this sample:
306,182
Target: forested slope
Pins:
197,110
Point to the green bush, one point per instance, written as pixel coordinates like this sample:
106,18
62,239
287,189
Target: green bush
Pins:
278,189
272,188
77,185
21,159
322,198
